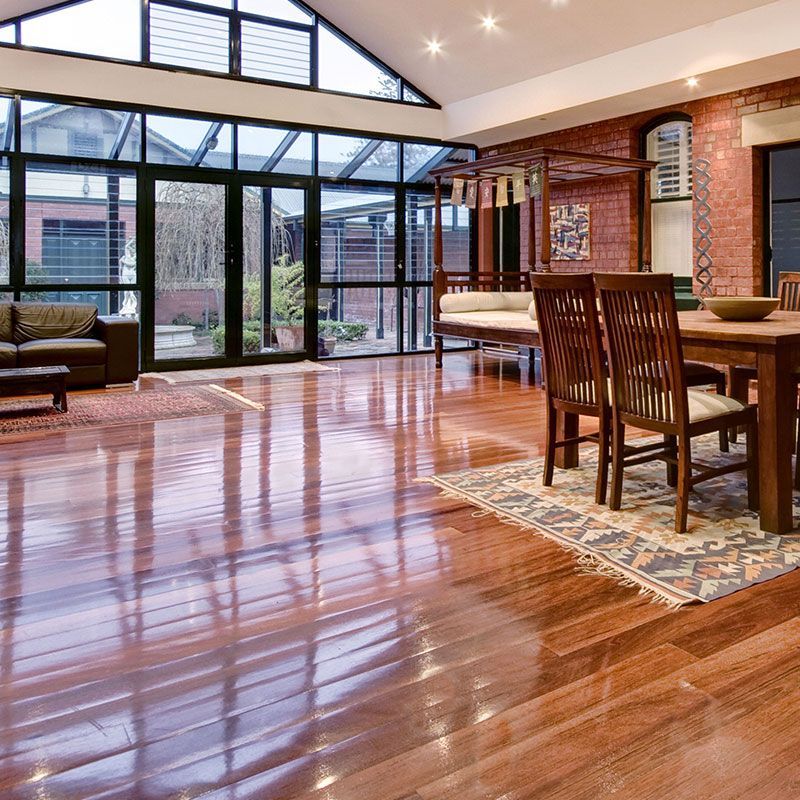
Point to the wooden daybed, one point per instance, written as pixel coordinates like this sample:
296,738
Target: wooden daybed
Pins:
496,307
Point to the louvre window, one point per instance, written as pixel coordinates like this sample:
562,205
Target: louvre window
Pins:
275,53
189,38
671,146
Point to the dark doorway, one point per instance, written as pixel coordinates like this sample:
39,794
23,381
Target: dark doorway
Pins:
783,253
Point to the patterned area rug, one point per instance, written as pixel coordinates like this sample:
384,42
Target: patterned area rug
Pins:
29,415
723,551
256,371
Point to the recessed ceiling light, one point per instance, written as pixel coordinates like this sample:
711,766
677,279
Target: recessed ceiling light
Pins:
692,82
489,22
434,47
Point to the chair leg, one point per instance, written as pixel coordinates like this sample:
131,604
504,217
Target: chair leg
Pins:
672,469
438,349
601,488
549,445
617,464
753,497
723,432
740,390
684,487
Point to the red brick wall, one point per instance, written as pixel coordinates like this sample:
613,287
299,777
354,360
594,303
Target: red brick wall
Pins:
736,188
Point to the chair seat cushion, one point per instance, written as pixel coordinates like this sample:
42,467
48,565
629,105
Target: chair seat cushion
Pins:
708,405
69,352
8,355
507,320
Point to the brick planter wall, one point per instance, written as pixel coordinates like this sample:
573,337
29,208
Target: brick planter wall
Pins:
736,190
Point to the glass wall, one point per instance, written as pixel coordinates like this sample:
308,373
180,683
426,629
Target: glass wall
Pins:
275,41
228,205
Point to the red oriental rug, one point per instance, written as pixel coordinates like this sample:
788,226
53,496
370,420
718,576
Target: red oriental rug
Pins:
97,409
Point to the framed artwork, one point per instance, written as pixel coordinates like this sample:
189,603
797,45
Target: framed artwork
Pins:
570,232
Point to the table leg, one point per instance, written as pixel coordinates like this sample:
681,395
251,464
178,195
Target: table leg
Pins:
776,409
567,428
60,398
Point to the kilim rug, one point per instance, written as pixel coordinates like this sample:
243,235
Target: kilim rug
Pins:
28,415
723,551
255,371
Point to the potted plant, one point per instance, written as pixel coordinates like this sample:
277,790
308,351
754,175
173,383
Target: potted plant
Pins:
288,303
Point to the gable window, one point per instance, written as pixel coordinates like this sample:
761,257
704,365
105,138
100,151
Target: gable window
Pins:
274,41
669,143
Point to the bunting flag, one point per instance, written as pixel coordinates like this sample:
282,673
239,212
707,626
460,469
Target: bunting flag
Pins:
518,181
457,198
502,192
535,180
487,194
472,194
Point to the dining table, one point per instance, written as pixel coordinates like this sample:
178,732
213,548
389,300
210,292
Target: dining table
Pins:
772,347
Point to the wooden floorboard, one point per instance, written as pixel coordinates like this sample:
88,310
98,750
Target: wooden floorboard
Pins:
267,605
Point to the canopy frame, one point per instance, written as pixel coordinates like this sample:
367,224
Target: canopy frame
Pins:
558,167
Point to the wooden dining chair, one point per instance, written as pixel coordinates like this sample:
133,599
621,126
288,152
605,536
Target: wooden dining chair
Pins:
649,391
789,294
575,379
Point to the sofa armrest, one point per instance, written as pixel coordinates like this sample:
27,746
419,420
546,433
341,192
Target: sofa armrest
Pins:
121,337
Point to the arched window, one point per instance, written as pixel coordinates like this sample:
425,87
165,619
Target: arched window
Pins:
668,140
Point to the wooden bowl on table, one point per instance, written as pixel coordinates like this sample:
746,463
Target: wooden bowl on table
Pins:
741,309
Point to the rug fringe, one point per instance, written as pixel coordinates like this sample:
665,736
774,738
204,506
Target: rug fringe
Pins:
236,396
587,563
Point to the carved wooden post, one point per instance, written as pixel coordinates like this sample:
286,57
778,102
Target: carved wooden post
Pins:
546,248
532,235
647,226
439,277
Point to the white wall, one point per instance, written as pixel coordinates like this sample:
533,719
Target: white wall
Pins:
23,71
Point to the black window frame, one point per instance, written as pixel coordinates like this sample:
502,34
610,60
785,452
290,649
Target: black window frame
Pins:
235,18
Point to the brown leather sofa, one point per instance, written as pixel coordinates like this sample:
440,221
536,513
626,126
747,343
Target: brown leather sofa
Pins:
98,350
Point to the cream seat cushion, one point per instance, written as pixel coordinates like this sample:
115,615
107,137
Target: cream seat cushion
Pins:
707,405
460,302
506,320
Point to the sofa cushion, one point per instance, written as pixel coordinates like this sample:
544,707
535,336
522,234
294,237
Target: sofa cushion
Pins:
8,355
34,321
459,302
6,323
69,352
506,320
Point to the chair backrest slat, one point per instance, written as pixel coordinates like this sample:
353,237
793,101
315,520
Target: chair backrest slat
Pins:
640,320
789,290
566,311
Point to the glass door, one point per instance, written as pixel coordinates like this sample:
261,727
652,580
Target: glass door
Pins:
190,226
274,270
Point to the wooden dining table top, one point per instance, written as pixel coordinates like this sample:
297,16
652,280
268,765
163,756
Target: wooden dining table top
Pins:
780,327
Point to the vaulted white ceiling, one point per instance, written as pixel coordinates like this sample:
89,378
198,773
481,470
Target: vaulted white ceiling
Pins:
548,64
532,37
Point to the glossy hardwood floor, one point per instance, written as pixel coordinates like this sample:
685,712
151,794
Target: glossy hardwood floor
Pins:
266,605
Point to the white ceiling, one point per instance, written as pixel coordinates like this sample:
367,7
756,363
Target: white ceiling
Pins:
532,38
548,65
